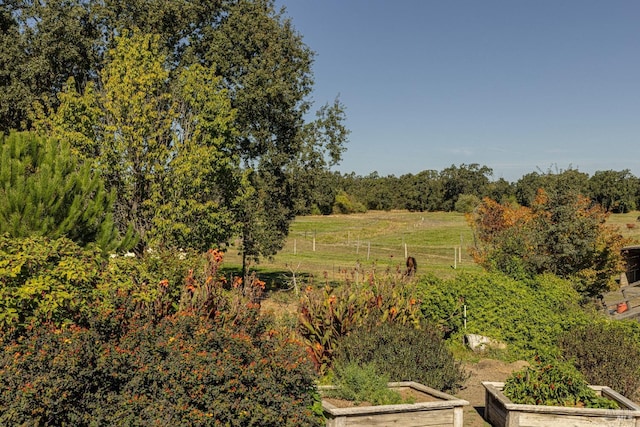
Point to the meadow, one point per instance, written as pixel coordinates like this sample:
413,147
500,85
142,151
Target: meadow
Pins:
335,248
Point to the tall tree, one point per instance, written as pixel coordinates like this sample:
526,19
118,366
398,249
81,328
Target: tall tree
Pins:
614,190
267,70
164,146
261,62
49,42
464,179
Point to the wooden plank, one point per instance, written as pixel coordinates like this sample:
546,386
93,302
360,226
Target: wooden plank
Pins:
529,419
414,419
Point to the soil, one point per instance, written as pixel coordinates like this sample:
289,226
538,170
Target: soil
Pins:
473,391
407,394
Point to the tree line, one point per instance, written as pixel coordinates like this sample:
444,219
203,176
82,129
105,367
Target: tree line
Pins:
461,188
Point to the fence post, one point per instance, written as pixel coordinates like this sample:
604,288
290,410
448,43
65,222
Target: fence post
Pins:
455,258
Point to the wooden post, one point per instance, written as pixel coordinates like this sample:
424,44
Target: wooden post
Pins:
405,251
455,258
314,241
368,250
295,241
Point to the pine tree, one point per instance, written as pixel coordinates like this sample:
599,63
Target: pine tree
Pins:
46,191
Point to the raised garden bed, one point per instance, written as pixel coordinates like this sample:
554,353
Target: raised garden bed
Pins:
501,412
432,408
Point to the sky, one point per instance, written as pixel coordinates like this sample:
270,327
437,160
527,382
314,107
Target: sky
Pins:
518,86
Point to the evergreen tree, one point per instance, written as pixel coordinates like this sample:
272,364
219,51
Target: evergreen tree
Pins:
45,191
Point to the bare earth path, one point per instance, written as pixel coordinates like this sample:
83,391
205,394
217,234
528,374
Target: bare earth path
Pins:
484,370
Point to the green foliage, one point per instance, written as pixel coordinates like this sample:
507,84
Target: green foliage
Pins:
363,383
403,352
464,179
327,314
345,204
46,191
551,181
466,203
606,353
43,280
553,383
528,315
614,191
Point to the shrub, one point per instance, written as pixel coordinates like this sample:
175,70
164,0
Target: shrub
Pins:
44,280
466,203
50,376
606,353
404,352
214,361
528,315
363,383
562,233
553,383
327,314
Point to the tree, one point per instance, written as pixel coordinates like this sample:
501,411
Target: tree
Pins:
465,179
422,192
45,43
563,233
45,191
163,146
614,190
267,70
552,181
259,63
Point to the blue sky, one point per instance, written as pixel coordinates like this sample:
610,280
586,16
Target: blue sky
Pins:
519,86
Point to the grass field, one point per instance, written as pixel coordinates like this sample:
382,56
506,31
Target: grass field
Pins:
336,247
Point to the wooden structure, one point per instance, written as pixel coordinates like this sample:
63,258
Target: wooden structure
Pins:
625,303
444,410
631,256
501,412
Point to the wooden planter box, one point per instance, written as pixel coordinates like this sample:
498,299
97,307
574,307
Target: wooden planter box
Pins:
444,410
501,412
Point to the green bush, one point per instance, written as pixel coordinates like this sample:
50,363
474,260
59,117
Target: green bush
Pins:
553,383
466,203
528,315
606,353
44,280
404,353
364,383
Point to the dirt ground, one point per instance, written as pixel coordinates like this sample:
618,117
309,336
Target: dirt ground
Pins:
473,392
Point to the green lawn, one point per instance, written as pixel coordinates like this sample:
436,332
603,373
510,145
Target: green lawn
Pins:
351,246
374,240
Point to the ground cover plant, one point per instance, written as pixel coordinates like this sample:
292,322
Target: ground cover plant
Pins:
526,315
363,383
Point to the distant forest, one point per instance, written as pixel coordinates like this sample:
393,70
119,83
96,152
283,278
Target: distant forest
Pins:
460,188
